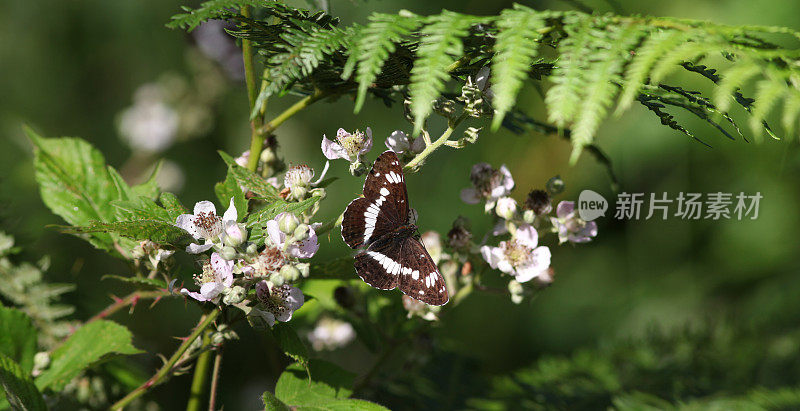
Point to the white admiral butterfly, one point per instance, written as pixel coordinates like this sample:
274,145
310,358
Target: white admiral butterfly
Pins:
392,254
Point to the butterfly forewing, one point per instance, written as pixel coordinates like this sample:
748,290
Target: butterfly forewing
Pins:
384,206
420,278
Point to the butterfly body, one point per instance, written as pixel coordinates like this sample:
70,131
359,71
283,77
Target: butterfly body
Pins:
392,254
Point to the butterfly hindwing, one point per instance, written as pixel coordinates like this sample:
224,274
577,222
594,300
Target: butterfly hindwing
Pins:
378,266
419,277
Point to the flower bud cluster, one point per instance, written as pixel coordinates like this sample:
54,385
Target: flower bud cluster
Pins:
519,253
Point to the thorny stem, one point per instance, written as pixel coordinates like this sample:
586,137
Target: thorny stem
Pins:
451,126
215,376
165,371
200,377
131,299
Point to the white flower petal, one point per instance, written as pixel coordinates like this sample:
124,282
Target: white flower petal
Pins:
525,274
332,150
196,296
194,248
540,258
565,208
527,236
275,233
306,248
295,299
204,207
230,213
489,256
211,290
186,222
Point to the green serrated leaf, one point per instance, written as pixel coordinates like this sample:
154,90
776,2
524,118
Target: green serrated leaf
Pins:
151,283
250,180
328,389
271,402
172,205
160,232
328,381
149,188
141,208
20,390
290,343
91,343
75,183
230,189
17,337
262,215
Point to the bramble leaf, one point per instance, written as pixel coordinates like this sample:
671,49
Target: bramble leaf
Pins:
90,343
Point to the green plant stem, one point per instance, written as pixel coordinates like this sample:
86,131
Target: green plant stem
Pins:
215,376
249,71
268,128
200,377
261,132
130,299
164,372
451,126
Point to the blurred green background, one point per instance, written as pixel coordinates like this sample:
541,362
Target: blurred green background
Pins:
69,68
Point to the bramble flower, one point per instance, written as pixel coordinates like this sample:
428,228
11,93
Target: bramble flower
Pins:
152,251
243,159
570,226
279,302
489,185
302,244
298,179
420,309
347,146
206,224
506,207
330,334
520,256
217,276
149,124
399,142
298,176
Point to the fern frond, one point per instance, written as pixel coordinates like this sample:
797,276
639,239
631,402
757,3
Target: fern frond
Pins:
516,47
791,111
377,41
564,97
768,92
304,51
671,60
646,56
603,77
652,104
439,47
210,10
